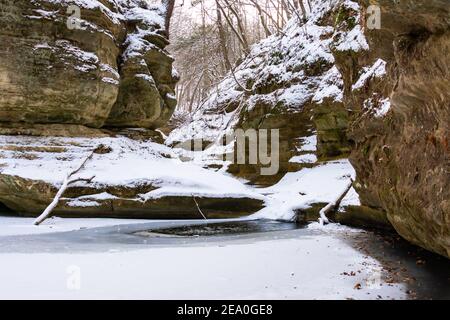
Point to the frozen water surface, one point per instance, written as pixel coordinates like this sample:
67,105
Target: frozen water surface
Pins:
234,259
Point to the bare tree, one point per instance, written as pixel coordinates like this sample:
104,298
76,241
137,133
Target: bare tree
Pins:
209,43
223,41
168,6
262,17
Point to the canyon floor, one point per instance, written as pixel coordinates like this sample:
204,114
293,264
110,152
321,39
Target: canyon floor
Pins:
224,259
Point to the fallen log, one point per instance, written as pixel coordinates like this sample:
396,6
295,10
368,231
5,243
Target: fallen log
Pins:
68,180
332,206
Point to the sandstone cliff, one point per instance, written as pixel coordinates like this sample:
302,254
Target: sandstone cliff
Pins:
400,129
84,63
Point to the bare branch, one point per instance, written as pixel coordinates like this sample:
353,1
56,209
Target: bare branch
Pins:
67,181
198,207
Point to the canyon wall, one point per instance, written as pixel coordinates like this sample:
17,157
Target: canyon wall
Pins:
90,63
401,112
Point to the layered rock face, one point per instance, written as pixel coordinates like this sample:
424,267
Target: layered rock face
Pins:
401,126
80,62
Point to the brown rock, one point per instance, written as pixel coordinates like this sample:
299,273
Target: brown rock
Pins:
402,159
52,71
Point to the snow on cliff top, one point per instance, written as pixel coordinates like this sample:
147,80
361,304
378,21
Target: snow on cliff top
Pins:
130,163
148,16
149,12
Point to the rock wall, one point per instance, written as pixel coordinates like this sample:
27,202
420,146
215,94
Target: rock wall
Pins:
399,93
82,63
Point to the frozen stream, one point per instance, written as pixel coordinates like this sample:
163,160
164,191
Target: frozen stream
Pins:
254,259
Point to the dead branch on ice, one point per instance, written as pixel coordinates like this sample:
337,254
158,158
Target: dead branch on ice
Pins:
334,204
68,180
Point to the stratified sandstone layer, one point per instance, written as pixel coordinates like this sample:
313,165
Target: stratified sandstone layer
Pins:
84,63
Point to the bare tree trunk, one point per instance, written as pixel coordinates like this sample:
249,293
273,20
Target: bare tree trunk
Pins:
296,9
239,36
286,8
261,17
223,41
241,28
268,14
168,5
302,5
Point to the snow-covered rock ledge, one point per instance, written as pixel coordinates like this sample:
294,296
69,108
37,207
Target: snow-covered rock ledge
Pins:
133,179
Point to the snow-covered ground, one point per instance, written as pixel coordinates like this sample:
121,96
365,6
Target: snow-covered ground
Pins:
310,263
299,190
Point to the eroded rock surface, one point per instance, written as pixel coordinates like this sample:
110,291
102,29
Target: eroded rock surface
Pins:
401,100
74,62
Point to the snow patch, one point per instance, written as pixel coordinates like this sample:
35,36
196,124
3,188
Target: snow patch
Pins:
379,108
383,109
330,87
130,164
110,80
304,158
377,70
299,190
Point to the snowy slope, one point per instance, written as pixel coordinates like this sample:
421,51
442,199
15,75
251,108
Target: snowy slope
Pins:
288,63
